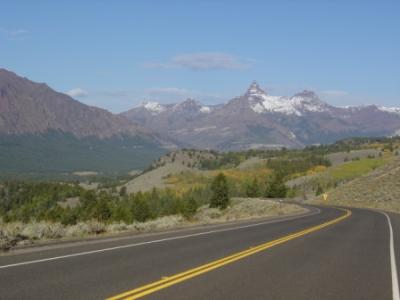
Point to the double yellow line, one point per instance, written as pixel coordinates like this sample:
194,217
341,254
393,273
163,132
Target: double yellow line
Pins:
177,278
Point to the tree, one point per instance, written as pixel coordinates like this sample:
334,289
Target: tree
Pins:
319,190
275,187
252,189
102,211
189,208
220,192
140,208
122,191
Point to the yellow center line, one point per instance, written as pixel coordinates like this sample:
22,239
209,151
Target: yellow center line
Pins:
172,280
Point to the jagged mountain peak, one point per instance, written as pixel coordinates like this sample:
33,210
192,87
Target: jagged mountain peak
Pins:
255,90
306,94
189,103
309,101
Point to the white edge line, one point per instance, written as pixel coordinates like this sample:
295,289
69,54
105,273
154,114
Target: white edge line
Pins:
393,266
152,242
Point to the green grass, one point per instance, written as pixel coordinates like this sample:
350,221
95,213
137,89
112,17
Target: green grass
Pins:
355,169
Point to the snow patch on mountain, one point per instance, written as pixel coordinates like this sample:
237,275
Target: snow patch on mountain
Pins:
273,104
393,110
205,109
153,107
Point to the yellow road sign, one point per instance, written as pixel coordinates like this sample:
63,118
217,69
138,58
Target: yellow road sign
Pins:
325,195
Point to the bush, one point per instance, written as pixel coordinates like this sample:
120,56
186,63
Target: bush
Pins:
220,192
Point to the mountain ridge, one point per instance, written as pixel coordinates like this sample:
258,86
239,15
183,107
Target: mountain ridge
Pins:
267,121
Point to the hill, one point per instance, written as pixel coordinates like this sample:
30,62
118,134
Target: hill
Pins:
173,163
377,189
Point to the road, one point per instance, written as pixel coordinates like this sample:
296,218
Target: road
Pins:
347,257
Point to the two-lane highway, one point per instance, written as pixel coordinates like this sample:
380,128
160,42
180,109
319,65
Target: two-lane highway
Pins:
328,254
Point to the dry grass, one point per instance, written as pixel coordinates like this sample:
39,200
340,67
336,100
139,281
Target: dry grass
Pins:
246,208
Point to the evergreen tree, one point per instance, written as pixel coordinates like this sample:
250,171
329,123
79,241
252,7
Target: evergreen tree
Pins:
140,208
189,208
220,192
319,190
122,191
252,189
275,187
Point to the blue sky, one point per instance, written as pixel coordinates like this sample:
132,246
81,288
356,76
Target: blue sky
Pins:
115,54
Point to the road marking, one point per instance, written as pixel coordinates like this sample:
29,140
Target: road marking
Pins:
177,278
36,261
393,266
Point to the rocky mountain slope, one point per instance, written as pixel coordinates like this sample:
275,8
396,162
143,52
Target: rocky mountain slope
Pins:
30,107
257,119
43,130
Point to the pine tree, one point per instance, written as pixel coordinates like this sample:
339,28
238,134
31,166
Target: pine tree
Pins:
319,190
252,189
189,208
220,192
275,187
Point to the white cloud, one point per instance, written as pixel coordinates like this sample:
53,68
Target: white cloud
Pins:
204,61
77,92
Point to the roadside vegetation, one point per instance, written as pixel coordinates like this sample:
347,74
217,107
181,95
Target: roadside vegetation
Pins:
203,191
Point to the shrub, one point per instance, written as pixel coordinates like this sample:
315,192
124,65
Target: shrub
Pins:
220,192
189,208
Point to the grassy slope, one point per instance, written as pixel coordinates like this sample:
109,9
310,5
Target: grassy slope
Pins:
379,188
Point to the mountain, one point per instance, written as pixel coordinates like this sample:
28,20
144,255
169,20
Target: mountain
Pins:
257,119
29,107
41,129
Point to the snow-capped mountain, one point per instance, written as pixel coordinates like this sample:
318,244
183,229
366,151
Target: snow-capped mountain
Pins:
393,110
153,107
257,119
187,106
306,101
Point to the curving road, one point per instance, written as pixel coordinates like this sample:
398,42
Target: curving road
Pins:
328,253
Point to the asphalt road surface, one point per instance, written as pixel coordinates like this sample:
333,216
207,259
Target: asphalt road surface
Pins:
329,253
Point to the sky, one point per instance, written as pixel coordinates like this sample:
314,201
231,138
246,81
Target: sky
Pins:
117,54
